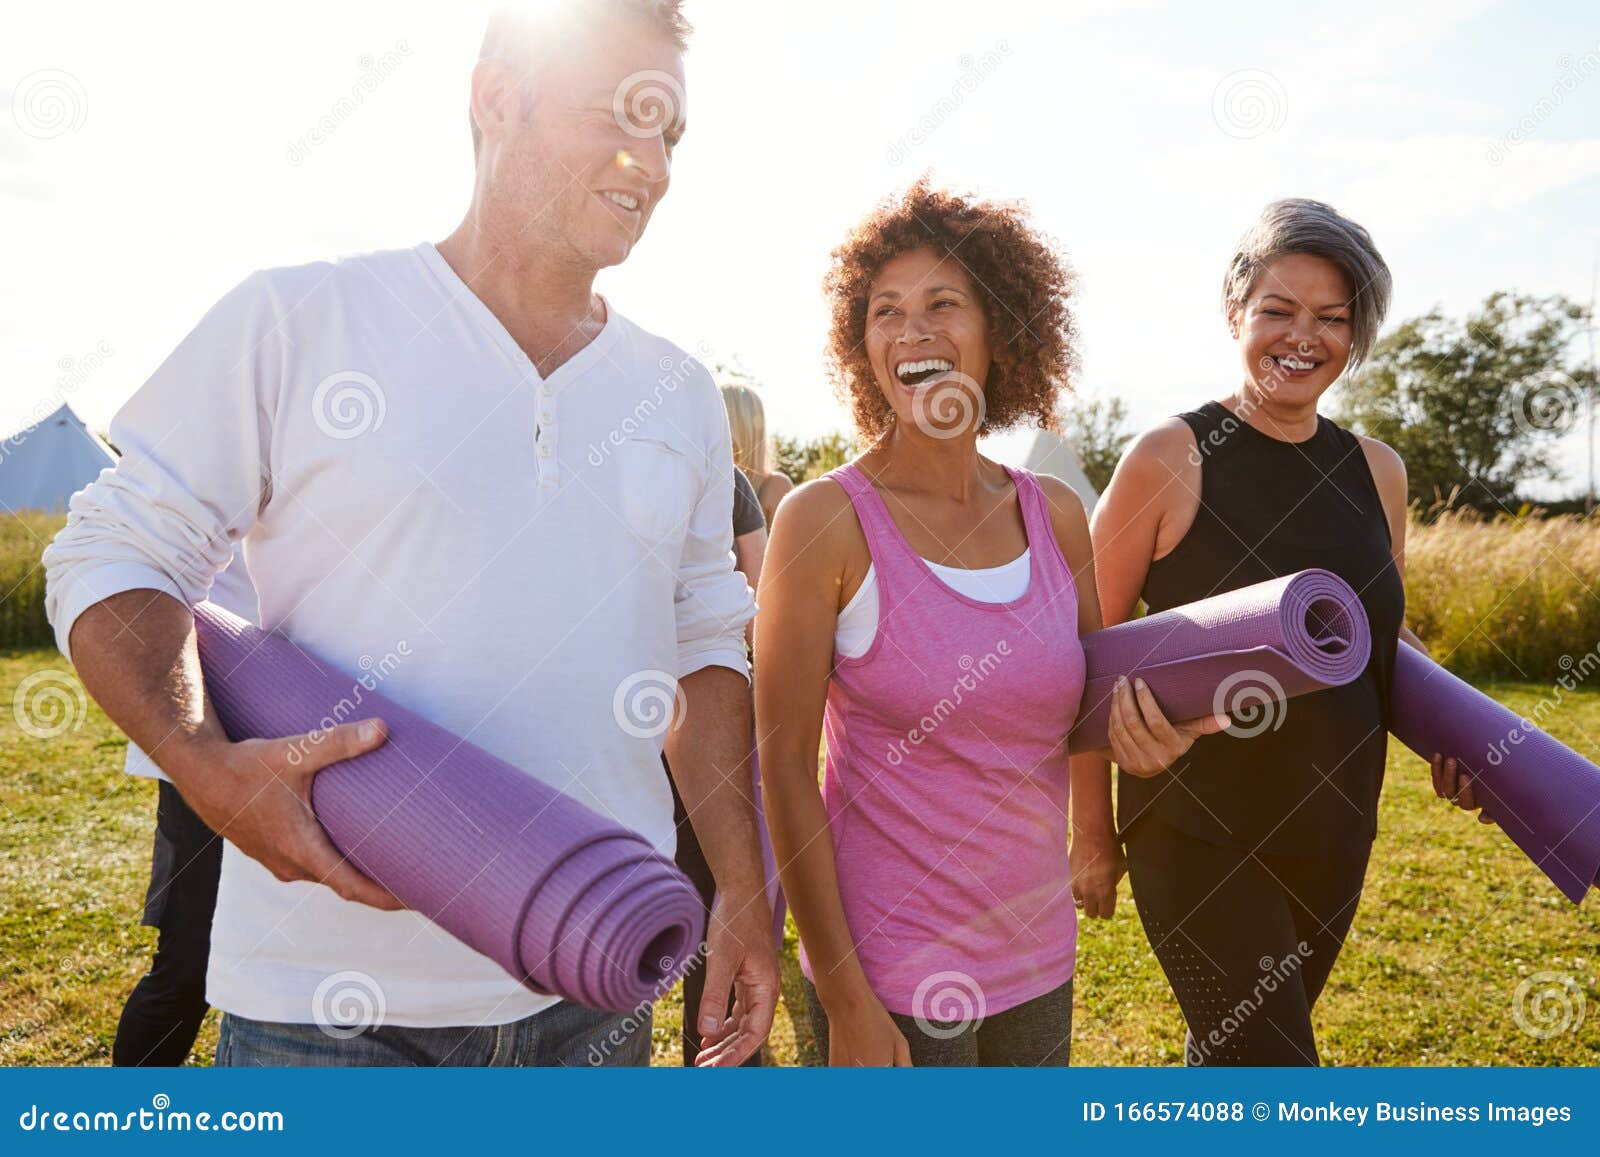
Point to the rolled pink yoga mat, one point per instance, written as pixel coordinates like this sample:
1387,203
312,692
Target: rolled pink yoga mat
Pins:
1542,793
1238,652
563,899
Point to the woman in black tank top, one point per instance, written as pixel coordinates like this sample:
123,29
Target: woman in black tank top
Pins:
1247,856
1302,778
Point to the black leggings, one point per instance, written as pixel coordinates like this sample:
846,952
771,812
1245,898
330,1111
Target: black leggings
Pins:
162,1017
1036,1033
1247,940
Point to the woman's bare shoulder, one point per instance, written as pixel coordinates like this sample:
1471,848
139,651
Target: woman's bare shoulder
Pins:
774,487
814,505
1167,448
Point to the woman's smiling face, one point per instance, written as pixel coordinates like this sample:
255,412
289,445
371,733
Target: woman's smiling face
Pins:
1294,329
927,341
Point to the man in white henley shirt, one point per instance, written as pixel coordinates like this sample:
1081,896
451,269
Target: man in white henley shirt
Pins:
459,459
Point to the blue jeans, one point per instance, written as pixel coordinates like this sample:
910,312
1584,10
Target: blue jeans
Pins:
566,1034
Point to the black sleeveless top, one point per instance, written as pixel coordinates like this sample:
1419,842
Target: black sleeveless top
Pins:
1270,508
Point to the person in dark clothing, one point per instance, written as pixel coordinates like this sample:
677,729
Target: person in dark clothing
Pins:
749,544
1248,854
162,1016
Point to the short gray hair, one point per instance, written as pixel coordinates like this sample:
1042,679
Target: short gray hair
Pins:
514,30
1296,225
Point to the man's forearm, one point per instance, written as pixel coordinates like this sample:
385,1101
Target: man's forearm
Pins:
135,653
709,753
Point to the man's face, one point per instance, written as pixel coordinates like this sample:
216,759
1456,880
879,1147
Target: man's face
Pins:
585,168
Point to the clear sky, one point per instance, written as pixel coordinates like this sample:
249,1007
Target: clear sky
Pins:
151,156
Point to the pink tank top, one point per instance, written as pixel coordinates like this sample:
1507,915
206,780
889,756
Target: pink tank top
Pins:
946,776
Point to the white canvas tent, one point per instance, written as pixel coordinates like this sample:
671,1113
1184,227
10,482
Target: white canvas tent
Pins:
1043,453
45,464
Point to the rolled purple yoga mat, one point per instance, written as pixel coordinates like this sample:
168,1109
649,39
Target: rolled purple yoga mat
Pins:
1542,793
1240,652
566,901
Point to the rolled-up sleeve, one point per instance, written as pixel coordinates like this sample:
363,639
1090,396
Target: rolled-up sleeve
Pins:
713,601
193,474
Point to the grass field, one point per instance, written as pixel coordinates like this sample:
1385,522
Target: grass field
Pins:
1453,922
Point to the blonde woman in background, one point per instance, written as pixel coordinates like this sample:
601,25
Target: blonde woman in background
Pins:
747,420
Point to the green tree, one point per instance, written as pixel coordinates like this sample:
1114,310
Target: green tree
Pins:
1477,403
804,460
1097,428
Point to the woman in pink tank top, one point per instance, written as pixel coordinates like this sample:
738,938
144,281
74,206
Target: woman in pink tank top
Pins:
922,607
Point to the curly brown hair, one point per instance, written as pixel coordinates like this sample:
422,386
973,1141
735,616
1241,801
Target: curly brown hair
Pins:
1024,282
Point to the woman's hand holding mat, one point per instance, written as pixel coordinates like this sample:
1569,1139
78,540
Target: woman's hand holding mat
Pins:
1139,736
1228,654
1454,785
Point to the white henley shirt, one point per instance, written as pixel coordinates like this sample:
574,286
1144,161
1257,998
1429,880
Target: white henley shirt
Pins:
527,562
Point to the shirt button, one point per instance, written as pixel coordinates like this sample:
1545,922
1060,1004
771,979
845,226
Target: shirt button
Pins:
545,450
545,389
546,417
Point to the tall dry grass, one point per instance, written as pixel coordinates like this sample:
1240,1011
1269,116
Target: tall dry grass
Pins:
1497,599
23,537
1507,597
